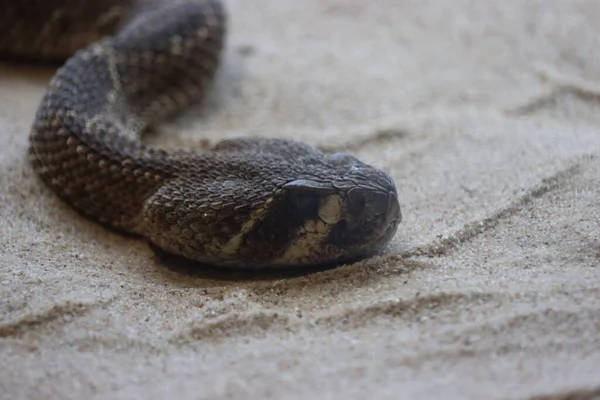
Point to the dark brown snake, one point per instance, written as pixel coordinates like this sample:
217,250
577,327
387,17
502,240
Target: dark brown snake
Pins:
247,202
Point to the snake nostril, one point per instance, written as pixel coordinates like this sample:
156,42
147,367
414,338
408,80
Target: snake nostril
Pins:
377,202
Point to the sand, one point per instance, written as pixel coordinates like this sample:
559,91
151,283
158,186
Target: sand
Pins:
486,114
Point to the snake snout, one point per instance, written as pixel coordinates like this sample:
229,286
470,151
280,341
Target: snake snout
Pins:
393,214
342,219
369,203
374,209
371,218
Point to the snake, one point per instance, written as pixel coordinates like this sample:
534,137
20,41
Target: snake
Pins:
124,66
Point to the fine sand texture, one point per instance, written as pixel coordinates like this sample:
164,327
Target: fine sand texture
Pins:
487,115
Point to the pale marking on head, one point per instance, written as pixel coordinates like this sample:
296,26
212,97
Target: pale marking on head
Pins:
232,246
308,238
330,210
113,13
111,60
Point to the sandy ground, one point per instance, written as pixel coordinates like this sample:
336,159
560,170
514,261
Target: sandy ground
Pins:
487,115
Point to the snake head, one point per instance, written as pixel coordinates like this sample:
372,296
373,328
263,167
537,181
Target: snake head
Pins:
347,217
271,210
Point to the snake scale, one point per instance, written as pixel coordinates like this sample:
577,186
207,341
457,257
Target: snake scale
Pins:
247,202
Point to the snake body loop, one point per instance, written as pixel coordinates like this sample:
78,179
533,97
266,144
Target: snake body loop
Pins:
248,202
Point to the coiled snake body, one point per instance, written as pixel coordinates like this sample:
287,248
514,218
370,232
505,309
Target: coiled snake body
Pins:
248,202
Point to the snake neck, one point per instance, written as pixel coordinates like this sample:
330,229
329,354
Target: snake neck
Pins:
85,141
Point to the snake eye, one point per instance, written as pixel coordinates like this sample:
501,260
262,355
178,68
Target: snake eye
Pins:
305,195
306,202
